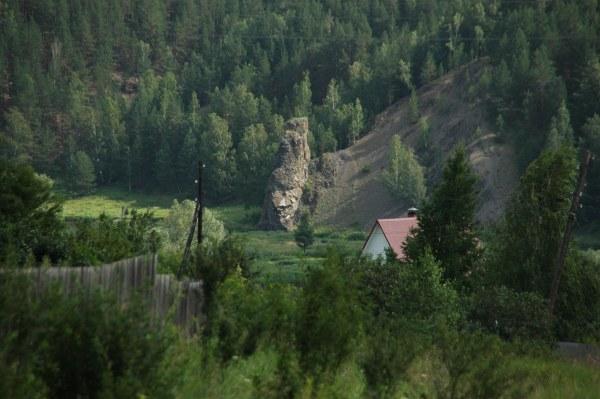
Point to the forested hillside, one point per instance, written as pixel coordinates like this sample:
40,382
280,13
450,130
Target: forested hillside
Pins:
133,92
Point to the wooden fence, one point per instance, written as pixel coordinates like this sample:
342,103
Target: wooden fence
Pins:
169,298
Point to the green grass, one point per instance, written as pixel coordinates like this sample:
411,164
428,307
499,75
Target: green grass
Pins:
111,202
562,379
276,257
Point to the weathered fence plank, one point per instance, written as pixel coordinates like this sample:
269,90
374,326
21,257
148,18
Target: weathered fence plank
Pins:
180,301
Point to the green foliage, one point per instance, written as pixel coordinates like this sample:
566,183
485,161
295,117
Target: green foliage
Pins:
578,308
104,240
302,97
526,246
255,160
139,81
80,345
512,315
304,234
561,132
82,178
404,177
446,222
246,316
412,292
29,215
215,261
477,366
218,157
413,108
329,316
177,224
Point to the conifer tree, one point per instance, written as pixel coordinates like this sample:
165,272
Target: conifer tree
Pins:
304,234
446,222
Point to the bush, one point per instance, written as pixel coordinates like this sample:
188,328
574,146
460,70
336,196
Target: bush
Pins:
80,345
105,240
330,316
215,261
512,315
245,315
176,224
413,292
476,365
578,306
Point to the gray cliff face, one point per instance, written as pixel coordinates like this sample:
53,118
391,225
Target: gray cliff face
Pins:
286,184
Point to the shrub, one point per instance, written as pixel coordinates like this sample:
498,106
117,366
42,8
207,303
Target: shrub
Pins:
578,306
511,314
412,291
103,240
476,365
245,315
80,345
215,261
330,316
177,224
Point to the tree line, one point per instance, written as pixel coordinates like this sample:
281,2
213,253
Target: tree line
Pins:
132,93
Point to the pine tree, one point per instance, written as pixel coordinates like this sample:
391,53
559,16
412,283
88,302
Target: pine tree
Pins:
446,222
304,234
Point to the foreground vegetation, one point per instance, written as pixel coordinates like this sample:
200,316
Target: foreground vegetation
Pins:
458,318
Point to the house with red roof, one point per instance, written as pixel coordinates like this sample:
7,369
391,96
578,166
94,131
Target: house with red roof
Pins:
389,233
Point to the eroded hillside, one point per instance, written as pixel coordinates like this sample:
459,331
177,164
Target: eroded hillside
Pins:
346,185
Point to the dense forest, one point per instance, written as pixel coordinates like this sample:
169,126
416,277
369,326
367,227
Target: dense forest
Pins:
130,94
134,92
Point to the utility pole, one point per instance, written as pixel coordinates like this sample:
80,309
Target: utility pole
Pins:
196,220
200,201
564,245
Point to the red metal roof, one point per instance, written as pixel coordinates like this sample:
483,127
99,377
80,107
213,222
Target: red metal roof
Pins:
396,231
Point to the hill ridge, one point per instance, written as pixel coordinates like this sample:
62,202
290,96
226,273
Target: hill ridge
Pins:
346,186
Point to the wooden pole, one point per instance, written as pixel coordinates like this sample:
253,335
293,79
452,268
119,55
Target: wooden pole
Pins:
564,245
188,244
200,200
196,220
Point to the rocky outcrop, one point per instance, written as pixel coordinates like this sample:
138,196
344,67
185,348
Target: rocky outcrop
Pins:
286,184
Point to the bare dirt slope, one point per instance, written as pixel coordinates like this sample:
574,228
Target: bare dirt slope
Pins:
347,187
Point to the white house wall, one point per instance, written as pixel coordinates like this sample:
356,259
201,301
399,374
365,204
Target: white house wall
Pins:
377,244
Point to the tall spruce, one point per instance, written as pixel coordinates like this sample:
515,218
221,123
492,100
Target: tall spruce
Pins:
446,222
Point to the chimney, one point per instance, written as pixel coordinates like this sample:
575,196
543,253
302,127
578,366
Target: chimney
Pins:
412,212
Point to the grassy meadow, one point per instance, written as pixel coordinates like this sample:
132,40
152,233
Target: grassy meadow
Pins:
275,255
112,202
